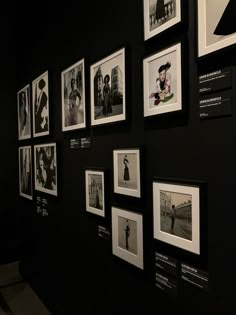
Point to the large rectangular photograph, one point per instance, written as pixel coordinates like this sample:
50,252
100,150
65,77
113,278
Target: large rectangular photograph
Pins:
95,192
45,168
24,119
108,89
176,215
40,101
162,75
216,25
25,172
160,15
73,97
127,236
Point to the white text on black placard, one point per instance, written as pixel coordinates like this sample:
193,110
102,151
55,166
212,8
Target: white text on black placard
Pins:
194,276
166,264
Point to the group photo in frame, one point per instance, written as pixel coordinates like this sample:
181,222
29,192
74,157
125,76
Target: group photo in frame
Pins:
160,15
24,113
45,168
107,83
127,172
40,104
127,236
25,172
176,214
73,97
95,191
162,81
216,25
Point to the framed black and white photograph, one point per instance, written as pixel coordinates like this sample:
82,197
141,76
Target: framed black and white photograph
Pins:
216,25
162,82
40,102
25,172
160,15
126,172
176,212
45,168
95,192
108,100
24,114
127,236
73,97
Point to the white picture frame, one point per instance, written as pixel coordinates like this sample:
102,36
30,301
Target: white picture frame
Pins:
73,97
25,172
127,236
24,113
45,168
162,82
108,99
127,172
95,192
213,34
160,15
181,229
40,104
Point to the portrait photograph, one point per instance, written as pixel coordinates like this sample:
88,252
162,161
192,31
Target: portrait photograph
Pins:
126,172
25,172
45,168
40,101
95,195
160,15
216,25
176,210
23,107
127,236
73,97
108,89
162,82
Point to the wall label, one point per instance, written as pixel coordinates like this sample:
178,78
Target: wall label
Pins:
194,276
215,81
166,263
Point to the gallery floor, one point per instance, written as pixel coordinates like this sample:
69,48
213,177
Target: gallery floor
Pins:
16,296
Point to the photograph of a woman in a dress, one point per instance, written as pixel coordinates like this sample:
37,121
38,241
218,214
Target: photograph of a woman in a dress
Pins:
126,170
24,125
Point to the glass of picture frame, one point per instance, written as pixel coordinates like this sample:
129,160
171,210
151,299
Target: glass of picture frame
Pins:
107,82
45,168
127,172
25,172
162,81
73,97
160,15
127,236
216,25
176,213
24,113
95,191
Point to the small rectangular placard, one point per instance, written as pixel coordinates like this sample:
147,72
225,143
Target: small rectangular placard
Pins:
194,276
42,206
75,143
80,143
104,232
216,105
166,283
215,81
166,264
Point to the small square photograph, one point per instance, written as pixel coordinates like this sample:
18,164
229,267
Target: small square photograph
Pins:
177,215
160,15
162,82
108,89
45,168
73,97
40,101
127,236
24,120
25,172
216,25
94,184
127,172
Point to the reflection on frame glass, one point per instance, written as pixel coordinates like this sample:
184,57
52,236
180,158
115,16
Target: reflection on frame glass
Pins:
108,100
25,172
95,192
176,215
23,106
127,236
73,97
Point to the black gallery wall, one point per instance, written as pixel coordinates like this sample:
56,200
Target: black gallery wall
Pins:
69,266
